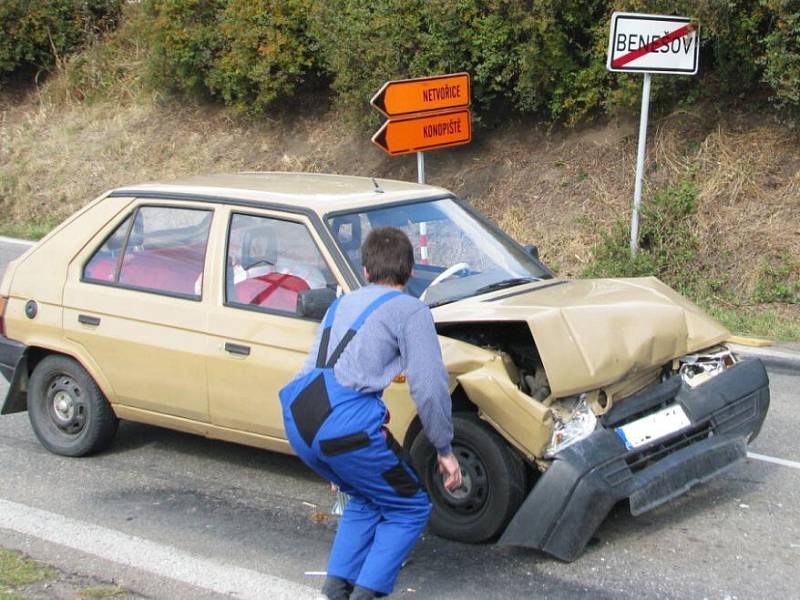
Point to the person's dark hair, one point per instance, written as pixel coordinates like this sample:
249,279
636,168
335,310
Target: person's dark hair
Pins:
388,256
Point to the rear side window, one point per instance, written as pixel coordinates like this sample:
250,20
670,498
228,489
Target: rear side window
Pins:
103,265
158,249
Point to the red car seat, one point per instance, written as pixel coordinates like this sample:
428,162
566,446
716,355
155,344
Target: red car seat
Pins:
274,290
171,269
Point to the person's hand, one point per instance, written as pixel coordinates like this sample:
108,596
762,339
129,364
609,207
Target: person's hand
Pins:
449,467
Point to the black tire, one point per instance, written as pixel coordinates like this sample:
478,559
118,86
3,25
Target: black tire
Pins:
494,479
68,412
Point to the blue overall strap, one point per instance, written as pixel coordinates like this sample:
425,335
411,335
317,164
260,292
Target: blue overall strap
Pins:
371,308
326,333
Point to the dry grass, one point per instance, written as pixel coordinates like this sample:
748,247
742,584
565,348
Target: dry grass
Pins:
563,195
749,200
55,158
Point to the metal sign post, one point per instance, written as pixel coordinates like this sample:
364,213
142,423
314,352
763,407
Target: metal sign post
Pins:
650,44
423,226
637,192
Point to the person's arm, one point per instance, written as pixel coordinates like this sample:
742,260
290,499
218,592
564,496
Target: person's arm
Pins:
427,378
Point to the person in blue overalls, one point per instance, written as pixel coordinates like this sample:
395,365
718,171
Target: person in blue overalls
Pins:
336,421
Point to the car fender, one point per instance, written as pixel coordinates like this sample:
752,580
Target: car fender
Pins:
17,394
485,378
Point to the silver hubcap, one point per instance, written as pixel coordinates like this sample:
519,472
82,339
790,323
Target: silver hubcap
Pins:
66,405
63,407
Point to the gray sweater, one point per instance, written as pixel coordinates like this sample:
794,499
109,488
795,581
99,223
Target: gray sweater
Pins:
399,337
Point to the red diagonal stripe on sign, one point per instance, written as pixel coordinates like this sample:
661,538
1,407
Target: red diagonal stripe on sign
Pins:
653,46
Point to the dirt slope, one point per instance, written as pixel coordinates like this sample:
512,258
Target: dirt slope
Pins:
557,189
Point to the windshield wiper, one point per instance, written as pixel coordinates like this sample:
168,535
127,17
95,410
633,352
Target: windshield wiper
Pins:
505,283
446,301
497,285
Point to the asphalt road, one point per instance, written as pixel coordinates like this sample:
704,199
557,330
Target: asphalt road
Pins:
170,514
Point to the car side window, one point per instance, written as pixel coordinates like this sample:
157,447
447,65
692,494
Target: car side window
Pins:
270,261
104,264
158,249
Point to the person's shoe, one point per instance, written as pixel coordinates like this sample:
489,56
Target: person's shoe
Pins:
335,588
362,593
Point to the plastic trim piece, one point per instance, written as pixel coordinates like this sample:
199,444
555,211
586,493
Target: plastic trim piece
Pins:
12,367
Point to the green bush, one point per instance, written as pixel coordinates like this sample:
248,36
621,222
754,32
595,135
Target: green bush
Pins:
538,57
184,40
547,57
778,280
110,68
264,53
37,33
667,242
781,59
248,52
562,61
365,44
521,55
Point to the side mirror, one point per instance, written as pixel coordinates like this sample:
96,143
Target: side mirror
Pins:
532,250
313,304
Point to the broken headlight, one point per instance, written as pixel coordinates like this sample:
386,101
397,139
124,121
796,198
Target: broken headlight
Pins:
699,368
578,422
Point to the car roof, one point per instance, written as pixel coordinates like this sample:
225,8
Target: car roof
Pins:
320,193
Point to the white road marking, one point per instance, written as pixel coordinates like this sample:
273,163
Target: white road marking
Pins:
139,553
772,459
7,240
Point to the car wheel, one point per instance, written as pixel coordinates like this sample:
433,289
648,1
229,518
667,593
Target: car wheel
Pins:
68,412
493,488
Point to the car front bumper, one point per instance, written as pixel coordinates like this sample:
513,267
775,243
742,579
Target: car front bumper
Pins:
11,356
574,496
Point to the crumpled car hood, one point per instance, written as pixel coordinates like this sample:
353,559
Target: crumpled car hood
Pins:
594,332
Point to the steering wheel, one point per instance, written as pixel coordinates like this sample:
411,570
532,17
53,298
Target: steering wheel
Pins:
258,263
448,272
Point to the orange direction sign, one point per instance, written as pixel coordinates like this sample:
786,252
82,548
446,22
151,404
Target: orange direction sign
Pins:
425,132
428,94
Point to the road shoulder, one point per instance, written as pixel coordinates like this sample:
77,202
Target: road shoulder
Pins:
77,570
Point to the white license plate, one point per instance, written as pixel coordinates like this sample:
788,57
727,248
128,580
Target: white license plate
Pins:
653,427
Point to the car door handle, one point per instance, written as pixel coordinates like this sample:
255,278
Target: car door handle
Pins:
87,320
237,349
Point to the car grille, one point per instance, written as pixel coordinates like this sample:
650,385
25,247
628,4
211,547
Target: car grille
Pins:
641,459
736,412
619,471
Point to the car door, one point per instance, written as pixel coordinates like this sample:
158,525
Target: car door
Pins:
258,341
134,299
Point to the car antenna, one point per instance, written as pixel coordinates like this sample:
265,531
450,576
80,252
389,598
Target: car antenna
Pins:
378,188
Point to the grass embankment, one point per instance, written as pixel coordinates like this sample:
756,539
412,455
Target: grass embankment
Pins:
22,578
721,218
18,571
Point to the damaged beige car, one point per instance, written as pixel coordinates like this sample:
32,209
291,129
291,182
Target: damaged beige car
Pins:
189,305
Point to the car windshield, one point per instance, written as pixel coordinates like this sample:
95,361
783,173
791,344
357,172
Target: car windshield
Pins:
455,254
